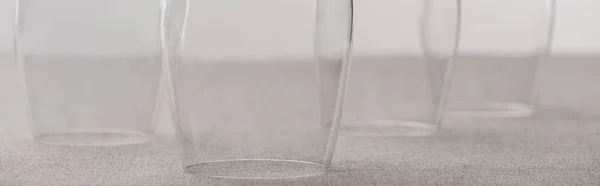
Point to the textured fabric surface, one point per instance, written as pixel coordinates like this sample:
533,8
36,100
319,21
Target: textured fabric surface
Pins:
557,148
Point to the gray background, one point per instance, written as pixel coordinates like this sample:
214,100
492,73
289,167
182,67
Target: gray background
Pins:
389,26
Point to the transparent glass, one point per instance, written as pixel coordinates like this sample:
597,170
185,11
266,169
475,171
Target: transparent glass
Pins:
91,69
404,95
503,44
257,85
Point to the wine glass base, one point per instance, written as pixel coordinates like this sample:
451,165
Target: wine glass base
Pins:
256,169
490,110
388,128
94,138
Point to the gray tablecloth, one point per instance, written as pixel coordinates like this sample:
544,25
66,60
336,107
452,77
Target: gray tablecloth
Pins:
559,149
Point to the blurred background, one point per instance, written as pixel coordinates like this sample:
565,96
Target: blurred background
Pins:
381,25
